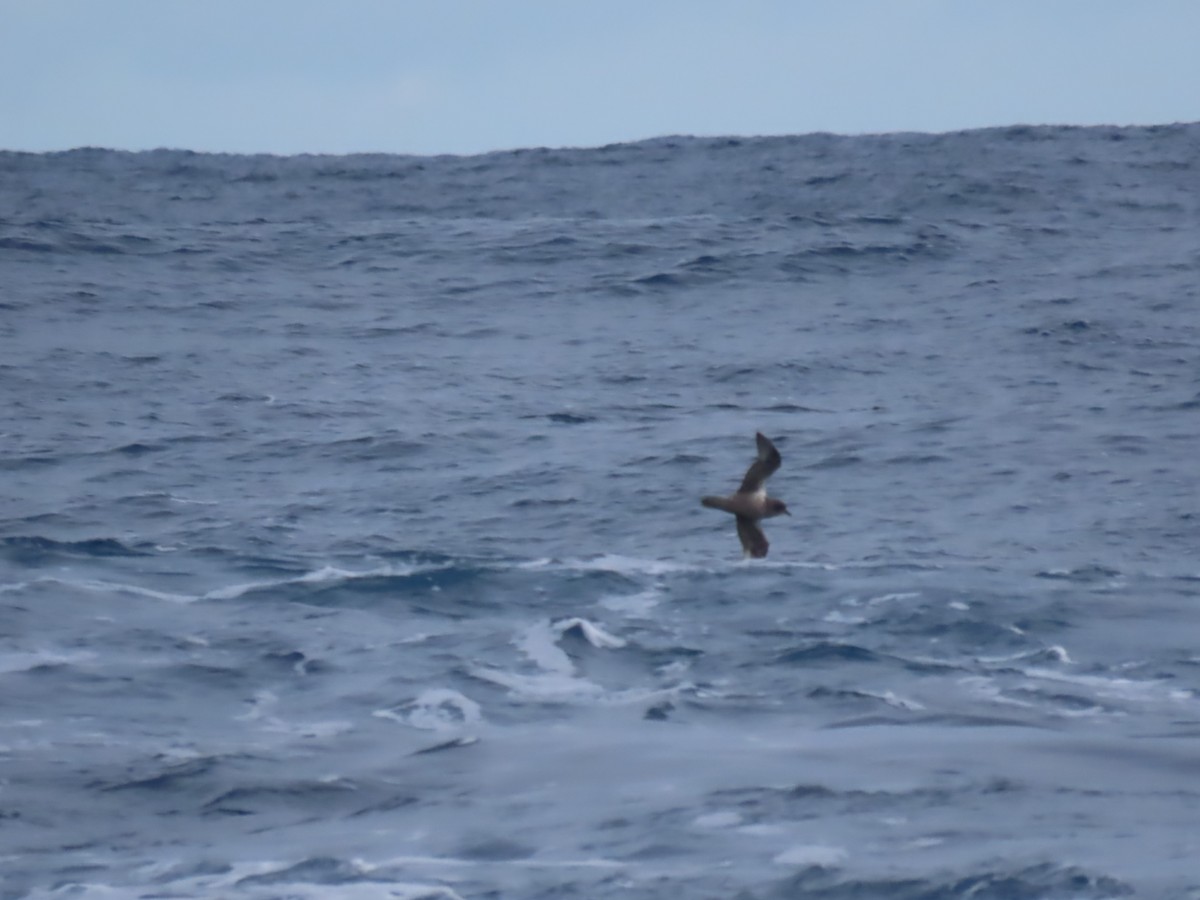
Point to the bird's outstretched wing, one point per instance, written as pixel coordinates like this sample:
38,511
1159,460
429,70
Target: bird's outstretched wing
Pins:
762,468
754,542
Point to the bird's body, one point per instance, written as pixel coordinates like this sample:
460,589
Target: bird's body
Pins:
750,503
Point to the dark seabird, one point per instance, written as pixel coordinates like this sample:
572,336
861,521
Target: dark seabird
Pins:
750,502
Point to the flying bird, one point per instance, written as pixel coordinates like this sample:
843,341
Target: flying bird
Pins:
750,502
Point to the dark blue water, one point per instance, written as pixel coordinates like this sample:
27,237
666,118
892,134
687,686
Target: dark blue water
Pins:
350,542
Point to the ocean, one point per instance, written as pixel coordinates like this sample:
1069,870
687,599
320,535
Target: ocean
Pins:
351,544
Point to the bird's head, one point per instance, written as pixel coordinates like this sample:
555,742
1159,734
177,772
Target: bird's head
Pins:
776,508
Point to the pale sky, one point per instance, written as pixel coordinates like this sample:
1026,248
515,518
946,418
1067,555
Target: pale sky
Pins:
468,76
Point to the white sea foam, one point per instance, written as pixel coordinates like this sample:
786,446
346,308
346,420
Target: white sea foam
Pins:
239,878
110,587
436,709
547,687
811,855
987,688
259,706
763,829
233,591
539,642
558,681
924,843
1127,689
322,575
1054,651
23,661
185,500
86,891
726,818
634,606
836,617
646,696
1059,652
261,712
640,566
891,598
629,565
593,634
893,699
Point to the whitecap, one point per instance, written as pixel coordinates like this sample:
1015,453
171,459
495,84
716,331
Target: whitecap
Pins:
241,875
108,587
1058,652
84,891
889,598
26,660
893,699
548,687
323,575
175,499
333,573
726,818
633,566
259,704
811,855
260,712
1116,688
763,829
924,843
647,696
539,642
988,689
835,617
233,591
628,565
544,562
593,634
1055,652
416,862
632,605
436,709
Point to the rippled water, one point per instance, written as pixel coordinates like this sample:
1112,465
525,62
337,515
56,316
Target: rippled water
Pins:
350,542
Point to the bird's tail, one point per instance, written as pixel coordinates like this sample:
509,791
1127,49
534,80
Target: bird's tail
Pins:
721,503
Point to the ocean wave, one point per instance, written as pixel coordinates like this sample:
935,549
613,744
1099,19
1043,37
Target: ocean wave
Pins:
351,502
98,586
36,550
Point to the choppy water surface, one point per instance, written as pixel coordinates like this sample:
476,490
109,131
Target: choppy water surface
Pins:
350,542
